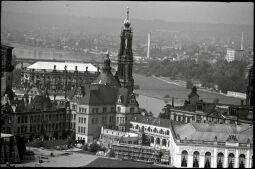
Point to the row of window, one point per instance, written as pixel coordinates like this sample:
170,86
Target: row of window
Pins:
38,118
37,128
207,164
151,130
81,129
121,119
82,120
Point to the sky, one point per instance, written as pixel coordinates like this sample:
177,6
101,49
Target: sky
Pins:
174,11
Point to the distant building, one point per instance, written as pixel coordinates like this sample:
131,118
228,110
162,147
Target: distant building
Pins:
234,55
199,145
58,77
230,56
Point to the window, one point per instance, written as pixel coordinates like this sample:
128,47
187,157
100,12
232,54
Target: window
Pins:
220,160
104,109
96,120
117,119
242,161
184,158
112,109
79,119
92,120
118,109
79,129
207,160
18,130
196,159
132,110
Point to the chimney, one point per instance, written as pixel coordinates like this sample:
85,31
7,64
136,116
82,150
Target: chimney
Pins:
149,43
242,42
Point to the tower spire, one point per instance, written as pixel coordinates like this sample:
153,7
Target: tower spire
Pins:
126,21
127,13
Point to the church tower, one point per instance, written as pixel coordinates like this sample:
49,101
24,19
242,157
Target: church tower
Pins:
125,57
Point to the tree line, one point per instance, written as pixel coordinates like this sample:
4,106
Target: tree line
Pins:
229,76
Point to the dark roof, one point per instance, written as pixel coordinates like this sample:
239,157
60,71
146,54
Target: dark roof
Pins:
5,46
41,102
208,132
98,94
151,120
107,78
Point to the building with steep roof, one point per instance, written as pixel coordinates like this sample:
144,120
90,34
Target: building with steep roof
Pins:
58,77
108,101
211,145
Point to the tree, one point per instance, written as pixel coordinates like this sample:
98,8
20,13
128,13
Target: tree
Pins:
111,153
94,147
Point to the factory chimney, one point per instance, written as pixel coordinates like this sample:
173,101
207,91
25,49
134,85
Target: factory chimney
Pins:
149,43
242,42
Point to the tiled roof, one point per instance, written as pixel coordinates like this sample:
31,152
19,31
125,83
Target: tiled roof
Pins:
98,94
151,120
107,78
207,132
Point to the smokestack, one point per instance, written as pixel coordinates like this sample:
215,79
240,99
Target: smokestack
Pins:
149,43
242,42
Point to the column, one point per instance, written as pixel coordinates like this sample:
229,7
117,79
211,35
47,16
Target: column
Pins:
190,161
214,158
247,162
202,161
177,161
236,159
225,165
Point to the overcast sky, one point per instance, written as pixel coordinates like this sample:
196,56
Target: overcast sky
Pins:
208,12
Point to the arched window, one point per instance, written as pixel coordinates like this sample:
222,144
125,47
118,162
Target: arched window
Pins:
231,158
160,131
158,141
164,142
136,127
154,130
242,161
184,158
152,139
167,132
142,128
207,160
220,158
196,159
149,129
